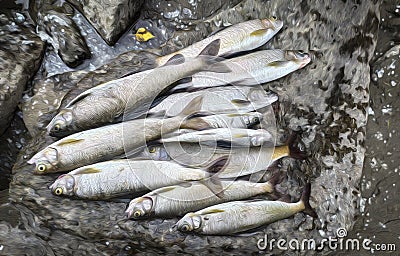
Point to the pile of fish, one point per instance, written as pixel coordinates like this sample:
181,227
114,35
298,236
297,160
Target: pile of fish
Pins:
185,136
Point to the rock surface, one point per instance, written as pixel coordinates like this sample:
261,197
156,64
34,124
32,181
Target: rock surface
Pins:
56,26
326,100
110,18
21,53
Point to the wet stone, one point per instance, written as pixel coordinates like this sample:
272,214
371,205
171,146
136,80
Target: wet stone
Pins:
21,52
110,18
56,27
332,118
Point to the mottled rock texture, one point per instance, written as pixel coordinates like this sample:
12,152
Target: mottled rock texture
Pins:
21,52
110,18
325,102
56,26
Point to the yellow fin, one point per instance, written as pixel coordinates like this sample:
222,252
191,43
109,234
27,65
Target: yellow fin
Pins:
259,32
240,135
88,171
276,63
163,190
211,211
69,141
233,115
280,152
240,102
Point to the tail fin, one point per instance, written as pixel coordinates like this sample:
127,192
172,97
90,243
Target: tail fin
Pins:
305,197
269,186
294,151
213,182
275,179
290,149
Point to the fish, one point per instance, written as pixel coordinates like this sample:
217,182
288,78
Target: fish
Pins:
176,200
218,100
244,36
105,103
233,137
107,142
251,69
123,176
143,35
240,120
240,216
241,161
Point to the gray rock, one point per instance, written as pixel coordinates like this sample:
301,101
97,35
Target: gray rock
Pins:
110,18
326,100
56,26
21,52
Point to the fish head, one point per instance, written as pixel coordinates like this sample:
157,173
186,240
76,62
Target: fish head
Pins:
157,153
61,123
140,208
300,57
46,161
273,23
253,119
64,185
189,222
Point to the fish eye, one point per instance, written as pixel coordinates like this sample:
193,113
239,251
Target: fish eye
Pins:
58,191
274,18
57,127
137,214
152,149
41,168
256,120
185,227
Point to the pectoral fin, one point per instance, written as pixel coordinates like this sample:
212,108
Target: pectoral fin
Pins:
69,141
259,32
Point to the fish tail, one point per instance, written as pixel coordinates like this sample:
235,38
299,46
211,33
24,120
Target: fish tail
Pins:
293,149
213,182
272,182
305,197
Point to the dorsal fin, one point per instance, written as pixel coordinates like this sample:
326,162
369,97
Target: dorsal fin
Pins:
175,60
100,87
211,49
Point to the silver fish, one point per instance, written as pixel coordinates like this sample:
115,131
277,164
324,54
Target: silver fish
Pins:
241,161
177,200
218,100
252,69
103,143
117,177
240,216
243,36
104,103
234,137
